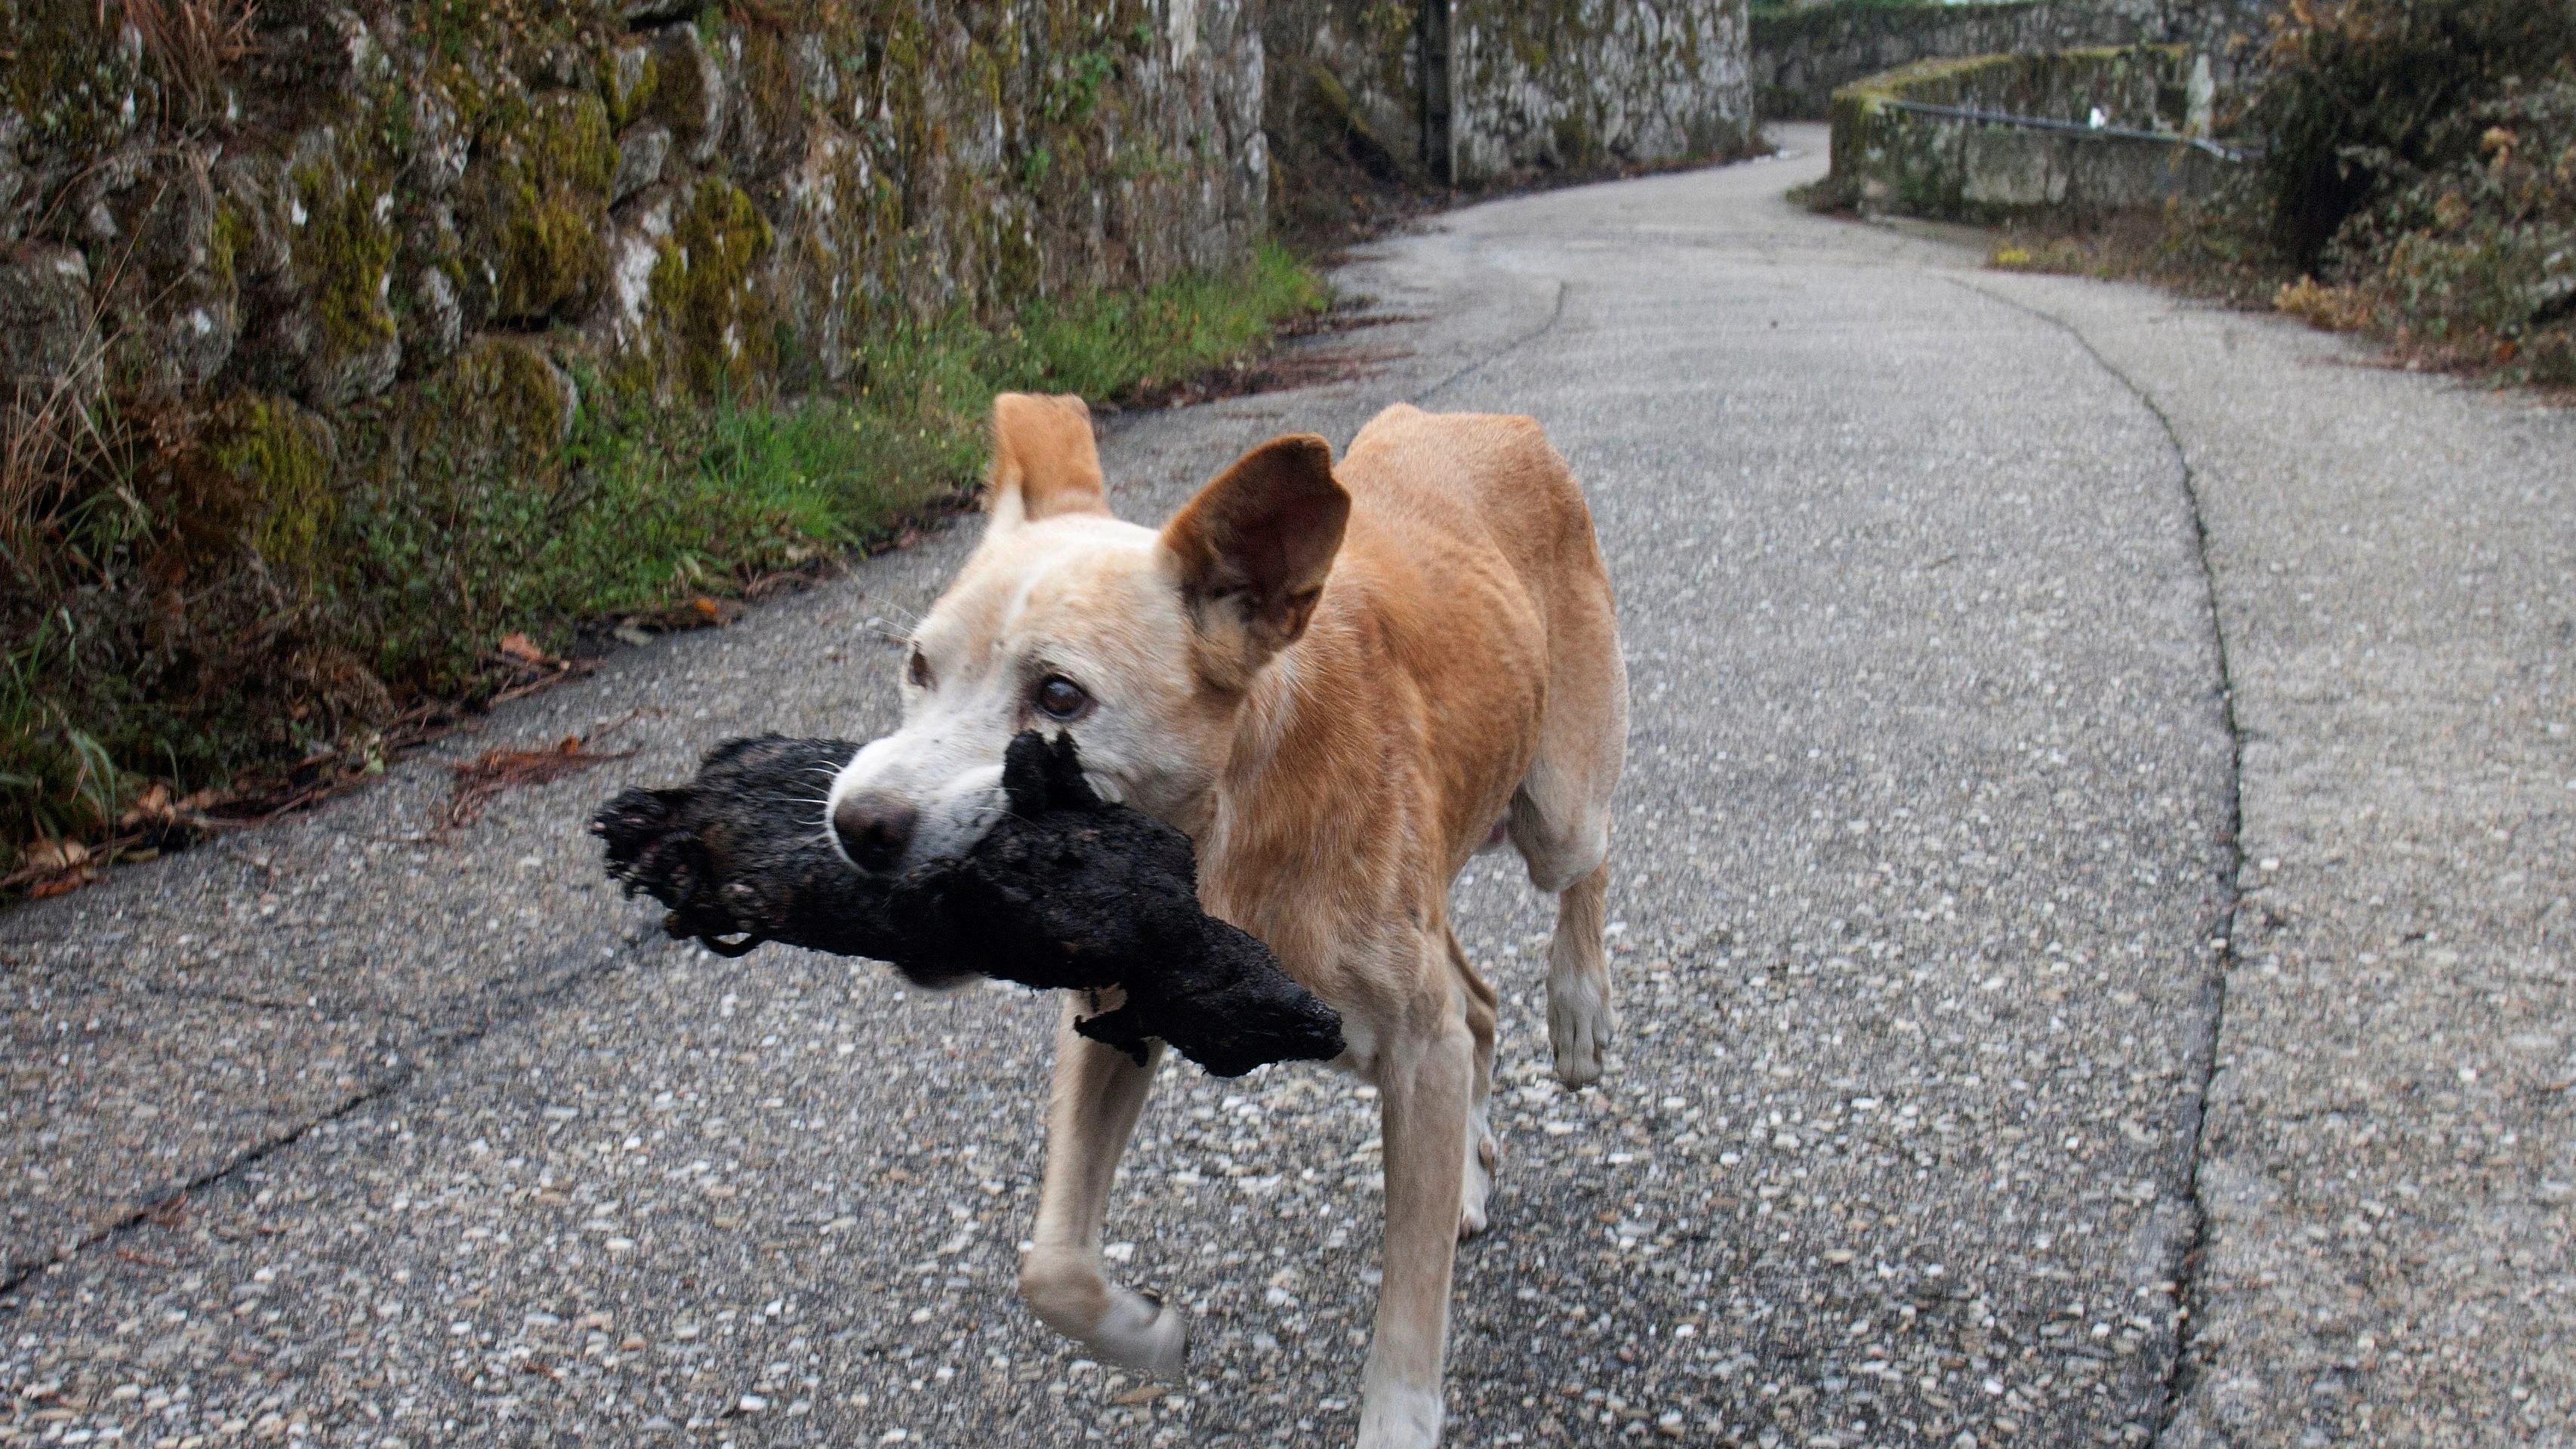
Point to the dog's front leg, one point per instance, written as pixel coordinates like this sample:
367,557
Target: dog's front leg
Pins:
1424,1083
1098,1093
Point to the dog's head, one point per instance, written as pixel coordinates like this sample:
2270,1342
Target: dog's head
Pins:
1140,644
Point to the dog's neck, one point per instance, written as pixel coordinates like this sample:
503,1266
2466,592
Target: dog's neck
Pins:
1306,791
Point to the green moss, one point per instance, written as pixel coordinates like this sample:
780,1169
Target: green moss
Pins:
768,87
231,233
543,199
69,78
456,27
1391,27
499,407
1577,147
719,323
627,77
344,252
281,457
1074,85
678,96
452,511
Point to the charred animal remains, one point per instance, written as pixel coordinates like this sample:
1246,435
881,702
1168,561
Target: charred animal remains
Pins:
1065,892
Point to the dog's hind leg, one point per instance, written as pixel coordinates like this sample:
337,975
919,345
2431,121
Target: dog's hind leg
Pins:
1484,1154
1580,1016
1098,1093
1560,823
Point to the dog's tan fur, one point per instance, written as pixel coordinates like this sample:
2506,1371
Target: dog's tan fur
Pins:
1336,679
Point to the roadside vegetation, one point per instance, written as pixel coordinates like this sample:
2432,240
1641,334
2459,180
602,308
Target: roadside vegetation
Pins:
2417,185
177,650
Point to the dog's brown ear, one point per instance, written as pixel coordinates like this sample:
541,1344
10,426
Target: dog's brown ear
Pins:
1044,463
1253,548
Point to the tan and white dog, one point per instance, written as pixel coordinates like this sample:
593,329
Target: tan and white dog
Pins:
1337,681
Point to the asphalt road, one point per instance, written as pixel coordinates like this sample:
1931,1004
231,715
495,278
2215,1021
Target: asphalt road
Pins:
1931,923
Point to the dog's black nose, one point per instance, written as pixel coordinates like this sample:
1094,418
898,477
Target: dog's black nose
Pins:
875,829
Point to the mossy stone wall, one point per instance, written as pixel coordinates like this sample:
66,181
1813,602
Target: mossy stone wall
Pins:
1580,85
356,285
1531,89
682,198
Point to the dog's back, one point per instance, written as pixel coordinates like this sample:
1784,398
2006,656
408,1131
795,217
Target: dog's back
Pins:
1470,541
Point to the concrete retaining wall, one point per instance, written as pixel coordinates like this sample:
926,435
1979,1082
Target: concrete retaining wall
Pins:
1889,159
1802,57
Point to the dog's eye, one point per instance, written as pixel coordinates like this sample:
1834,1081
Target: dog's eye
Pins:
1060,698
917,669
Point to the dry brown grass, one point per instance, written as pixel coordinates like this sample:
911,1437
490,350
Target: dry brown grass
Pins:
189,42
2328,308
48,434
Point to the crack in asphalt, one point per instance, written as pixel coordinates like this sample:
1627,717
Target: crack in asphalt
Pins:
1555,315
2188,1292
247,1158
463,1035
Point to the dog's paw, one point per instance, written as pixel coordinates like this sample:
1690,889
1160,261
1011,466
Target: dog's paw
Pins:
1144,1336
1400,1416
1580,1023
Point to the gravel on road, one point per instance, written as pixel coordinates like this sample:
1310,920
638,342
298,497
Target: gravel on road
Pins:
1927,899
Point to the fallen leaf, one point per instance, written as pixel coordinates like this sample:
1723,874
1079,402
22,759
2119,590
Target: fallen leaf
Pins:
488,774
61,885
1141,1394
702,611
149,808
523,649
53,855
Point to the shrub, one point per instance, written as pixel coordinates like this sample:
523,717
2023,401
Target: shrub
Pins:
2481,252
2366,94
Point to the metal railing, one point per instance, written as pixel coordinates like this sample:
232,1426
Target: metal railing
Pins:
2076,128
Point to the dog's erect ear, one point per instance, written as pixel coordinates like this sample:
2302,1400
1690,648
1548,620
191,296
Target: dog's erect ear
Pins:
1253,548
1044,463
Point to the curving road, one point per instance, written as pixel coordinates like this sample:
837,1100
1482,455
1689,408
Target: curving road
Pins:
1986,1077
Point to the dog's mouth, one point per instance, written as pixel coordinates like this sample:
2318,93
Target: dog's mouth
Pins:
888,831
